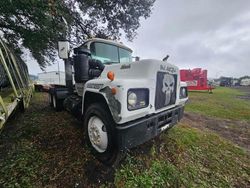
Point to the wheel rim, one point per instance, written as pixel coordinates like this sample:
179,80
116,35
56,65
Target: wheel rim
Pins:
54,101
97,134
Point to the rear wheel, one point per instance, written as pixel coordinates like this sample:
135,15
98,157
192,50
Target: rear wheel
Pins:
56,103
100,133
50,99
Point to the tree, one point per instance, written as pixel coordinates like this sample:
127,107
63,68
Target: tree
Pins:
39,24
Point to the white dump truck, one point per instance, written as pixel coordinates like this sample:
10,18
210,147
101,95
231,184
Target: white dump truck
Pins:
122,103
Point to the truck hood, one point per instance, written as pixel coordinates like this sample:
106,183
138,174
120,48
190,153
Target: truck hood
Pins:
143,69
159,77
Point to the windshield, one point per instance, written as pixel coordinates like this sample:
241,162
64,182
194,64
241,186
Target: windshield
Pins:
109,54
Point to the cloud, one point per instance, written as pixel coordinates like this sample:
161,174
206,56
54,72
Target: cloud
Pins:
214,35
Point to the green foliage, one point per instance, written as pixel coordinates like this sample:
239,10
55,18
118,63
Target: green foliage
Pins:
160,174
35,153
189,158
19,170
38,25
223,103
209,160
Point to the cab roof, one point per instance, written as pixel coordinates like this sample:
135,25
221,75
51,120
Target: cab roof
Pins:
110,42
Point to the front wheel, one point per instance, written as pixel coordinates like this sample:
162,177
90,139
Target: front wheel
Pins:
100,133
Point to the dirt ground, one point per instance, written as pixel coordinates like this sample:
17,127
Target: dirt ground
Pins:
246,90
65,158
61,148
236,131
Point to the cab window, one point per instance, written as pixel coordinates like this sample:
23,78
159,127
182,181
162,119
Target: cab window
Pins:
104,52
125,56
109,54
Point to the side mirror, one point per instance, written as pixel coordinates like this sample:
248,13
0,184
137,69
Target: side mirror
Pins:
63,49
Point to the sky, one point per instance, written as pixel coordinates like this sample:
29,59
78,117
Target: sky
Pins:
210,34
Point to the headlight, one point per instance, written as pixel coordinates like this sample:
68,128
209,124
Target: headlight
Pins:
132,99
183,92
137,99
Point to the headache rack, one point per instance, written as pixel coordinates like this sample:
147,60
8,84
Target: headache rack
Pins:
15,86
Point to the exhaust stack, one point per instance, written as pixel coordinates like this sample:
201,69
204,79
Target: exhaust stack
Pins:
63,52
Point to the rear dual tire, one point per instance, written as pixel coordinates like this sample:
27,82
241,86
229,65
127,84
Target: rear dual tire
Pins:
50,97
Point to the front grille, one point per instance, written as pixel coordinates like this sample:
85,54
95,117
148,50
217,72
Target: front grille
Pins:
167,118
165,89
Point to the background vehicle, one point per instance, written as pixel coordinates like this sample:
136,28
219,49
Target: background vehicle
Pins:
46,80
196,79
226,81
122,103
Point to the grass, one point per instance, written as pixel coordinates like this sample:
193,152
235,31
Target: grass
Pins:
20,168
40,148
223,103
20,160
43,148
187,157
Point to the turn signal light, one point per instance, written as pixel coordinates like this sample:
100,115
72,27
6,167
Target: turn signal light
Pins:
111,75
113,91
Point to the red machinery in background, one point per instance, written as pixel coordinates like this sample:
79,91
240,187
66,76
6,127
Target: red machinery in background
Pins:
196,79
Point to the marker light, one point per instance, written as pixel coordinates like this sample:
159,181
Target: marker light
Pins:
111,75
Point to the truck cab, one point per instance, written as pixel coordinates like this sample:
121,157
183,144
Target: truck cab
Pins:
122,103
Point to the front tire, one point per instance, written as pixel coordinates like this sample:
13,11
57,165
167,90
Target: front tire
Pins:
100,133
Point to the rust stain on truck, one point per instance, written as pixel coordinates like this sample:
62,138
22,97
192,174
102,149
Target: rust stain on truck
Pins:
113,103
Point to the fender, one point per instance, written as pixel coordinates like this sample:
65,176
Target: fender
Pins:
105,95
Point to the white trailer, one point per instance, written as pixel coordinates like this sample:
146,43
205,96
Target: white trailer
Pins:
51,78
245,82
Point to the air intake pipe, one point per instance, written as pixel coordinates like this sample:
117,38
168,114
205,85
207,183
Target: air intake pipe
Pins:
86,68
96,68
81,64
